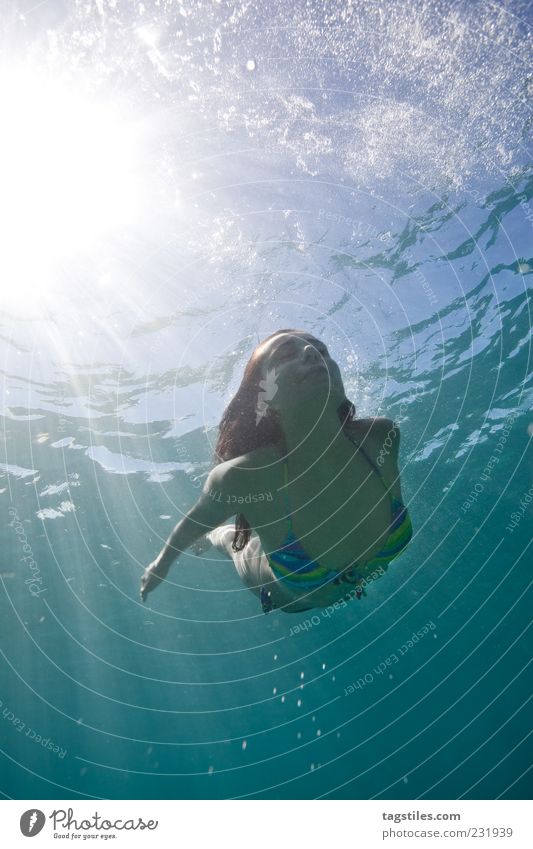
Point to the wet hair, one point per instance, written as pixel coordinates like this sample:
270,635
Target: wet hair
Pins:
241,430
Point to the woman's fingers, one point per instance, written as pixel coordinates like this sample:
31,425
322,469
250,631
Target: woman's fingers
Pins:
145,586
153,575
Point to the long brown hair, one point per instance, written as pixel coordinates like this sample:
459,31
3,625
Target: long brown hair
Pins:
240,431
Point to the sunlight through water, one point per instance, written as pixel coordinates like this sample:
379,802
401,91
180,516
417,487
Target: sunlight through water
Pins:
178,181
70,176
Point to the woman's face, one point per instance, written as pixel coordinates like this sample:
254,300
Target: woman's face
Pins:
296,366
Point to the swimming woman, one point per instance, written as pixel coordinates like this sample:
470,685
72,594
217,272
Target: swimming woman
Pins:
321,510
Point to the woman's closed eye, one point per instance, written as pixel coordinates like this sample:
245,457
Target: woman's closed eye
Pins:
322,350
288,353
284,354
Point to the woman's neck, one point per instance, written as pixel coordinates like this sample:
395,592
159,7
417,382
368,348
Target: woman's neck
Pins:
318,445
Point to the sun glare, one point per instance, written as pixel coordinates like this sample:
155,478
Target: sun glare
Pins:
68,177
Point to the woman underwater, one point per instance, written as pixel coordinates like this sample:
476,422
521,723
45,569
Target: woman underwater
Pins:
324,514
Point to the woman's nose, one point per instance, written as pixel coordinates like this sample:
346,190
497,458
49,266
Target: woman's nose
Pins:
311,354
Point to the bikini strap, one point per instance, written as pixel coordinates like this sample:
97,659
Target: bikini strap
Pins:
394,501
287,502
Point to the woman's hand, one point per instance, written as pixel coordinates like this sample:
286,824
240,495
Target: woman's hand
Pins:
153,575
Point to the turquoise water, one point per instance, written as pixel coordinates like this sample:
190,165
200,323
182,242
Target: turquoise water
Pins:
359,173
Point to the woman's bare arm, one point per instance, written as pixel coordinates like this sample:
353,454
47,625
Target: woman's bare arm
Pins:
213,507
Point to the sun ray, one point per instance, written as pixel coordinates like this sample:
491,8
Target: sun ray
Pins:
70,176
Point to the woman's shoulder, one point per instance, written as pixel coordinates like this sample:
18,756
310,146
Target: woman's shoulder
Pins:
378,429
239,473
377,433
257,458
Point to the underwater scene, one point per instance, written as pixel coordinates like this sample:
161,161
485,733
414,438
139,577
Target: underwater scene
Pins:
181,179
